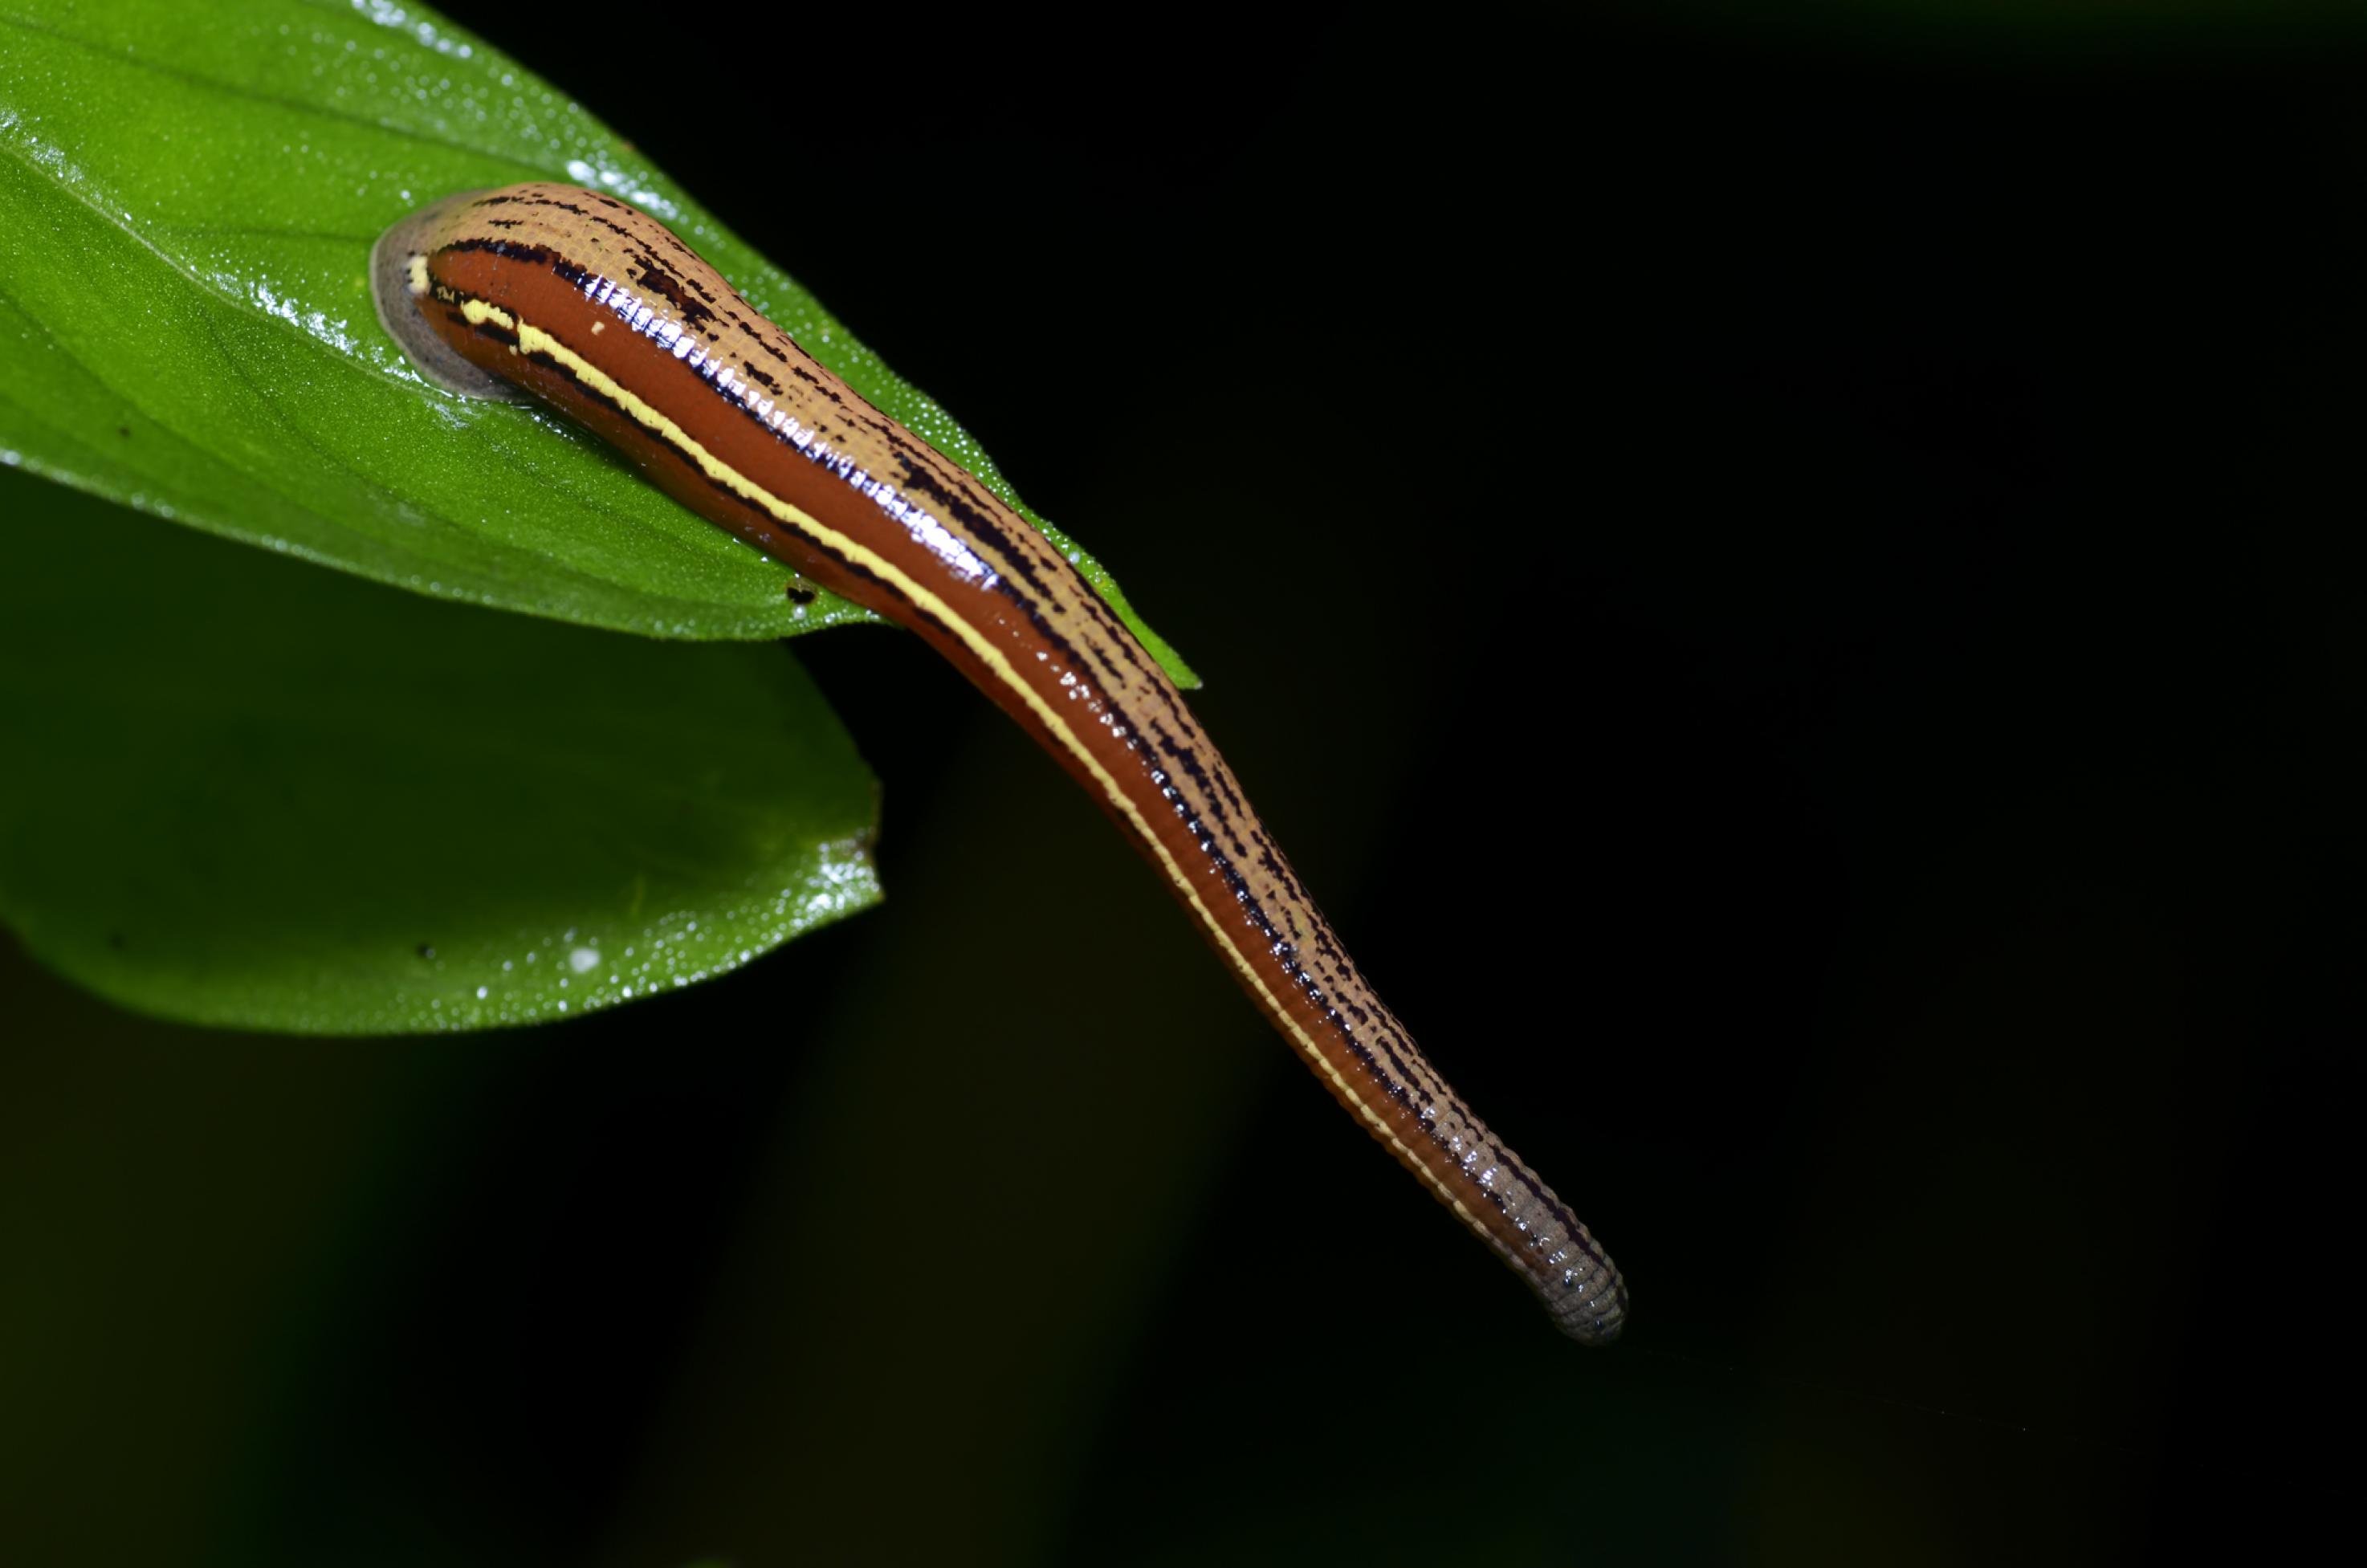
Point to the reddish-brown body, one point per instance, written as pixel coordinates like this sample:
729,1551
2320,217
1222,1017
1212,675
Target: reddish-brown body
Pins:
601,311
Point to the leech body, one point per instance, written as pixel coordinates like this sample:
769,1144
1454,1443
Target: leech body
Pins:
599,310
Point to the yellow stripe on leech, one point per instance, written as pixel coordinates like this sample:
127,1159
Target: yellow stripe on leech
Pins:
532,339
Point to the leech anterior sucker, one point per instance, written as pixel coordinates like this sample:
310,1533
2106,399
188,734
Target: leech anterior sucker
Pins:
522,291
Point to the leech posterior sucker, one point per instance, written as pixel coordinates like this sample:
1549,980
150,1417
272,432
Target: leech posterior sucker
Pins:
591,306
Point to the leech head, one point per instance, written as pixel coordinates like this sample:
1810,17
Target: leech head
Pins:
401,288
1591,1304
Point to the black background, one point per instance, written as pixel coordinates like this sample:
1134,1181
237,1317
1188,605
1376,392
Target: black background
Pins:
1794,589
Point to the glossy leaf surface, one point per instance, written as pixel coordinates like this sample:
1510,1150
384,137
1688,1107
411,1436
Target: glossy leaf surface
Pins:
240,790
188,195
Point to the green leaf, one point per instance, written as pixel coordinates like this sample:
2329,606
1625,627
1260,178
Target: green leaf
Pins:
189,194
241,791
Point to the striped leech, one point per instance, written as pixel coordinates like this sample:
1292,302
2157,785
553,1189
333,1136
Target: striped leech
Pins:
566,296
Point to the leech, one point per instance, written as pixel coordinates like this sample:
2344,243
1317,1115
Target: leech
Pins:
588,304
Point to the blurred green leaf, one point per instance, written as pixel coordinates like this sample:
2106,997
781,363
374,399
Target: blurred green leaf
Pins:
243,791
189,194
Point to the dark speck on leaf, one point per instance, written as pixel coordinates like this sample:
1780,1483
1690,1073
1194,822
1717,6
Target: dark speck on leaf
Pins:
426,951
